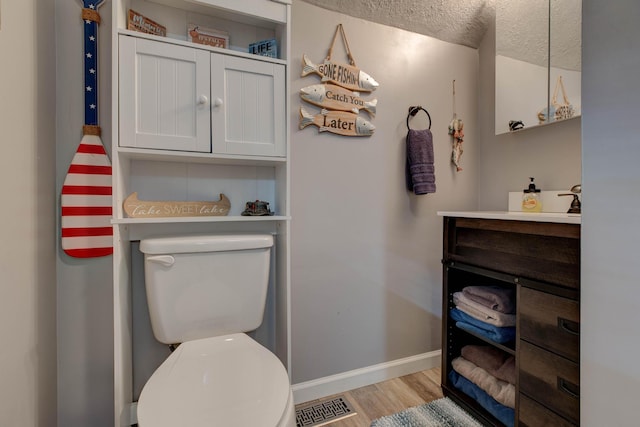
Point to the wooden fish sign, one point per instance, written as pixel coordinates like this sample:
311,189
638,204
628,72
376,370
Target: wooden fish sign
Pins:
347,76
337,98
146,209
338,122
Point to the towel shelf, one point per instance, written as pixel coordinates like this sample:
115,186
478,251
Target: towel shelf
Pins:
541,262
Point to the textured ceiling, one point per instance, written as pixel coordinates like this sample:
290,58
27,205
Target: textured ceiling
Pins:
522,32
521,25
457,21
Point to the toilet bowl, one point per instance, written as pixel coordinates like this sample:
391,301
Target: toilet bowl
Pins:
225,381
205,292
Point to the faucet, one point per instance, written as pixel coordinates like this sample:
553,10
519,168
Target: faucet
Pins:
576,206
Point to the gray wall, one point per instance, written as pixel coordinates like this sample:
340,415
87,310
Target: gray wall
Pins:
551,153
366,272
28,214
84,292
366,279
610,373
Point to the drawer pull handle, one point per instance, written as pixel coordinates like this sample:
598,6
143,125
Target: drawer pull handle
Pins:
569,326
569,388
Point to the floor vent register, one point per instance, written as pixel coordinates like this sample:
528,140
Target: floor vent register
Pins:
324,411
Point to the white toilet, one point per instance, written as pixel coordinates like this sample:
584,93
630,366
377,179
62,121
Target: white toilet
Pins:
205,292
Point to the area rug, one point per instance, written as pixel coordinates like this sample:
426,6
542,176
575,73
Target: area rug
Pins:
438,413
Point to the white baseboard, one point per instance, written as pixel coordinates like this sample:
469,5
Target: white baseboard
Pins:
339,383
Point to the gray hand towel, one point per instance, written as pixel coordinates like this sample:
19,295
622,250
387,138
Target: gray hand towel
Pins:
420,171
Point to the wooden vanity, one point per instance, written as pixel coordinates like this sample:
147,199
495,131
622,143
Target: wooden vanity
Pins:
538,256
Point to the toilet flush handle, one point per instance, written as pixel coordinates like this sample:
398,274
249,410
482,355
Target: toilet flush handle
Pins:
165,260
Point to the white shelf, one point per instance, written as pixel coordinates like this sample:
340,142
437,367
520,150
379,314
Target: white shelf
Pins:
199,219
253,12
178,42
193,157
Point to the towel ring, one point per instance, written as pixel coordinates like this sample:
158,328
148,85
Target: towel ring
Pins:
415,110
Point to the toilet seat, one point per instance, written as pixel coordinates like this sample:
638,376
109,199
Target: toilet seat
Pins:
229,380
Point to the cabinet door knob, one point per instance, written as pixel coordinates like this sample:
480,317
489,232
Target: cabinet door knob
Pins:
218,102
203,100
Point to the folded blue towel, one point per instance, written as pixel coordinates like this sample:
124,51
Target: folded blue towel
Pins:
494,333
503,413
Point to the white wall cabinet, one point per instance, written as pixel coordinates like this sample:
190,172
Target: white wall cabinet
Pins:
163,96
248,106
181,98
189,122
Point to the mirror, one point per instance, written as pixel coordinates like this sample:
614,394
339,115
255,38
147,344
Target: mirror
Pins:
538,53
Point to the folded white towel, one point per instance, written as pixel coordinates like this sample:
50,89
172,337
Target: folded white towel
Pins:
501,391
481,312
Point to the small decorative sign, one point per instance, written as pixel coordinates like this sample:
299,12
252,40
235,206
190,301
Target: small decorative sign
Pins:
265,48
338,122
146,209
337,98
139,22
347,76
208,36
338,95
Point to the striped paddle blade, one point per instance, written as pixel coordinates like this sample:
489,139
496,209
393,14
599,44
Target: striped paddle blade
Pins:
86,202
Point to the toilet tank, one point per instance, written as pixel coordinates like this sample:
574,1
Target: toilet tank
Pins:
206,285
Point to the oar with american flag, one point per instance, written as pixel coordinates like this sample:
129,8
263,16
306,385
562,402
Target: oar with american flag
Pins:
86,193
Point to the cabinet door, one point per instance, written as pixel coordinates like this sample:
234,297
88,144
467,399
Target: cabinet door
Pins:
248,106
164,96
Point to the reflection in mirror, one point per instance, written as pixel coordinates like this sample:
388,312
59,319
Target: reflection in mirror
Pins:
537,41
565,48
522,41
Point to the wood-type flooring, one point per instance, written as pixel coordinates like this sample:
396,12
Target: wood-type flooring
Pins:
388,397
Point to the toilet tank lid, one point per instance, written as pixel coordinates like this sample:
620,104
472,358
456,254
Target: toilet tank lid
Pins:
205,243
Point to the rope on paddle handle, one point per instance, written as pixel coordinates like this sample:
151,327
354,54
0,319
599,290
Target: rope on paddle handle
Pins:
90,15
91,130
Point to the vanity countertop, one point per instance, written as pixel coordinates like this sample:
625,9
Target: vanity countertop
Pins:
516,216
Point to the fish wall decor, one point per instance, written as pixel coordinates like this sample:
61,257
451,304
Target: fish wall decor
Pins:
337,98
338,122
347,76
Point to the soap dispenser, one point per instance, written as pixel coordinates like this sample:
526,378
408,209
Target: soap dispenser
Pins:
531,201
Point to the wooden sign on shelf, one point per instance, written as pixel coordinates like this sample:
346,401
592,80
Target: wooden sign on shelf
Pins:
141,23
208,36
158,209
265,48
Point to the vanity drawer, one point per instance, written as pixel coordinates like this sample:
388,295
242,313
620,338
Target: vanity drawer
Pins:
551,380
551,322
545,252
533,414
